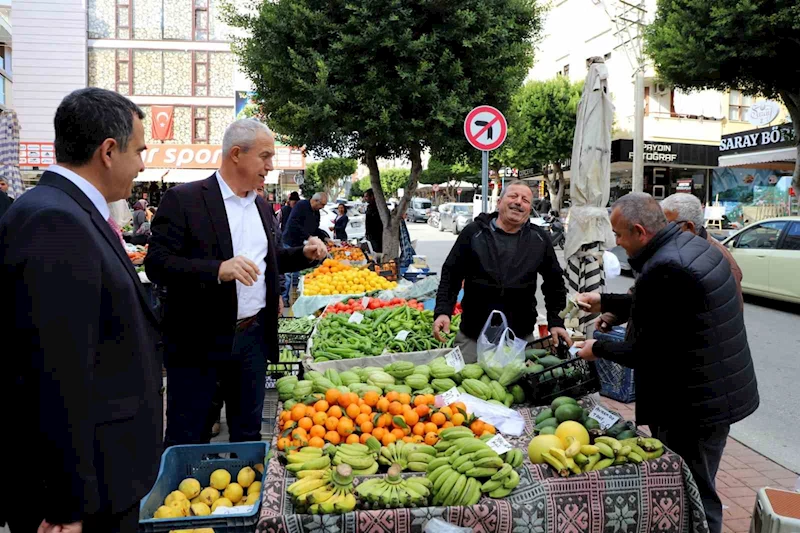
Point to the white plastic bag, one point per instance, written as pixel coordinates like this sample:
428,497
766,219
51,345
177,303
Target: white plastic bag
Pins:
611,265
498,347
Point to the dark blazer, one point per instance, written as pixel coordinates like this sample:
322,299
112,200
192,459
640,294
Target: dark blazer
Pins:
303,223
5,203
340,227
190,239
82,380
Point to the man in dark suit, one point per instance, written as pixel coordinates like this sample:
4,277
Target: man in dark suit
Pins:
83,378
213,248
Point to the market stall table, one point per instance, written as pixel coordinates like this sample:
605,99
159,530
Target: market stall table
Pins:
658,495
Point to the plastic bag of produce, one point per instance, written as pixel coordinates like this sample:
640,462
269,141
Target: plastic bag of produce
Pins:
500,352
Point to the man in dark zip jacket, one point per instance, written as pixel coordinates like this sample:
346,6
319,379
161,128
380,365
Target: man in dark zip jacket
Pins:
686,340
498,257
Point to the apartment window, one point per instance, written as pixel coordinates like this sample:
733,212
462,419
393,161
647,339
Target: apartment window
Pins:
124,71
200,125
739,105
201,20
200,74
566,71
124,19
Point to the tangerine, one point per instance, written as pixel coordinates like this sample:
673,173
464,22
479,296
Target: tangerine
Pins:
387,439
488,428
431,438
316,442
477,426
418,429
331,423
419,399
395,408
411,417
298,412
335,412
345,427
446,411
284,443
404,398
417,439
364,437
366,427
310,411
361,419
352,439
382,405
407,439
422,410
333,437
439,419
332,396
448,424
317,431
392,395
458,419
457,407
321,406
319,418
399,433
345,400
371,398
353,410
366,409
305,423
430,427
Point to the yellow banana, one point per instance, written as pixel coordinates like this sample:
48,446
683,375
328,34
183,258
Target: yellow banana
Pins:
559,454
588,450
613,443
573,447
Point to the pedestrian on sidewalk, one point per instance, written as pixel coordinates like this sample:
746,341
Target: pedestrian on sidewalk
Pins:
303,223
497,259
373,225
213,248
82,387
687,340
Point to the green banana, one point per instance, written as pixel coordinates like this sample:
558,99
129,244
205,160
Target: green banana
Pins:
486,452
436,463
441,480
436,474
457,491
581,459
481,472
620,460
446,486
314,464
605,449
559,454
465,458
503,472
491,484
456,432
613,443
589,450
605,463
593,459
493,462
635,458
366,471
502,492
511,481
417,466
473,493
465,466
419,457
624,451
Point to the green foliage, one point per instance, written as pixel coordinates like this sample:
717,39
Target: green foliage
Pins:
331,170
442,172
393,179
541,122
312,182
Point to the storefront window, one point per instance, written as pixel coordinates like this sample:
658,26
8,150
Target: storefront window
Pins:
751,194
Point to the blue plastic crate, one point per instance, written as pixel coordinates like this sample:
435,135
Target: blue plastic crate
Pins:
616,381
180,462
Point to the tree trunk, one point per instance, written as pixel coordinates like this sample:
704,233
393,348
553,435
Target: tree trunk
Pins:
792,102
555,185
391,220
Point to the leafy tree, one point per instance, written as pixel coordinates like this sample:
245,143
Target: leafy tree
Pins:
731,44
541,128
311,182
393,179
333,169
374,79
450,174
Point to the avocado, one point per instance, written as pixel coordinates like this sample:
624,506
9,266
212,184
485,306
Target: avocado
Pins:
591,423
561,400
552,422
544,415
617,428
550,360
568,411
547,430
584,416
627,434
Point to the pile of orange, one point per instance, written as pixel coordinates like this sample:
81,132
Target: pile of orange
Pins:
344,417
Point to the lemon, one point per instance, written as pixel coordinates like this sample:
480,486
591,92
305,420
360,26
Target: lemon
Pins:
254,487
209,495
222,502
233,492
190,487
220,479
173,496
246,477
167,512
200,509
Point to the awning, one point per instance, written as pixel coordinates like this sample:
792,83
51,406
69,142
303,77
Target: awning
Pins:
150,174
185,175
762,156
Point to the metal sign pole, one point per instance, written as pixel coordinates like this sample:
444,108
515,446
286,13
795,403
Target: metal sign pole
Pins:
485,181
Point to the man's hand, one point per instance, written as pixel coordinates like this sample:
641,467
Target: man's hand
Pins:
280,305
561,333
442,323
315,249
585,351
589,301
47,527
239,268
606,321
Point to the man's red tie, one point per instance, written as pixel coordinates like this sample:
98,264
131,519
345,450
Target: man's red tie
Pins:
116,229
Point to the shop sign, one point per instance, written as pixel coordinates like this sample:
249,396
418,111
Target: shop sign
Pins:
656,153
183,156
753,140
36,154
685,185
762,113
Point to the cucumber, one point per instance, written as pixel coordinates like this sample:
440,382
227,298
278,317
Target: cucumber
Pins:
536,353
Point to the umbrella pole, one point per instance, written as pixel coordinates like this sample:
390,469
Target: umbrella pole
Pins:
585,274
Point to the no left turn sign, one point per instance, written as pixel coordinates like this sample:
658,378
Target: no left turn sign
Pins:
485,128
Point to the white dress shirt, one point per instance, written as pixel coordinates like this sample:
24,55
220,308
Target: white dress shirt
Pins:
86,188
249,240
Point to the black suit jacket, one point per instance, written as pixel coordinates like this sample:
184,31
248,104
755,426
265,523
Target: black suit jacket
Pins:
190,239
81,383
5,203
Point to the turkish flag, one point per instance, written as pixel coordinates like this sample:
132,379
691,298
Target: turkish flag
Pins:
162,122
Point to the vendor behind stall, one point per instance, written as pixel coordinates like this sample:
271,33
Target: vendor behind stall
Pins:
498,257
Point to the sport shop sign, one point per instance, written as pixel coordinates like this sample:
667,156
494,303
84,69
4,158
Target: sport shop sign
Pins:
759,139
210,156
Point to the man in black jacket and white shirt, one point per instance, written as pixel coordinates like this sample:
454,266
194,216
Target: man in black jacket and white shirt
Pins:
498,258
688,344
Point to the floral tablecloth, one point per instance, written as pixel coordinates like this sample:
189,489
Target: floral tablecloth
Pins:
655,496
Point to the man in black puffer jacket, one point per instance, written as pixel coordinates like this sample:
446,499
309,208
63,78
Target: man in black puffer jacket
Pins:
498,258
688,344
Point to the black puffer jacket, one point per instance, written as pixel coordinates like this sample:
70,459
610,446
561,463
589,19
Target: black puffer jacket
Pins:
474,261
688,342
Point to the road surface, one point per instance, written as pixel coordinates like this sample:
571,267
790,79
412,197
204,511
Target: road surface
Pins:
773,330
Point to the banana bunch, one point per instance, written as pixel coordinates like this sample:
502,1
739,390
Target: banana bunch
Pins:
308,458
330,493
392,491
360,457
514,457
605,452
414,457
466,466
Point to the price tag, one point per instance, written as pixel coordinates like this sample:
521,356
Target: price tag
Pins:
356,317
499,444
402,336
605,417
347,254
573,351
450,396
455,359
365,302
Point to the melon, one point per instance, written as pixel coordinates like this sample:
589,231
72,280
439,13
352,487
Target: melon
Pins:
541,444
570,428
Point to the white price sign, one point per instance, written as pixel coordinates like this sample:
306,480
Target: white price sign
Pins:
402,336
455,359
356,317
499,444
365,302
450,396
605,417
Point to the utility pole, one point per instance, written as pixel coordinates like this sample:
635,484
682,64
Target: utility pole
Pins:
629,19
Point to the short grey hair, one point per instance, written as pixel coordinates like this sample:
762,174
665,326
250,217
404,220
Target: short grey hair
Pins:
319,195
641,208
687,206
515,183
242,133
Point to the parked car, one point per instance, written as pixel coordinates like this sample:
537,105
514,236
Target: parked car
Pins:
419,210
355,222
455,217
768,252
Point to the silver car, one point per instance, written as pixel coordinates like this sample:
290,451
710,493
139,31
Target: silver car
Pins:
419,210
454,217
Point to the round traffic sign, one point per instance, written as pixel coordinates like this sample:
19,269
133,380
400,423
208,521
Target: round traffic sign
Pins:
485,128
